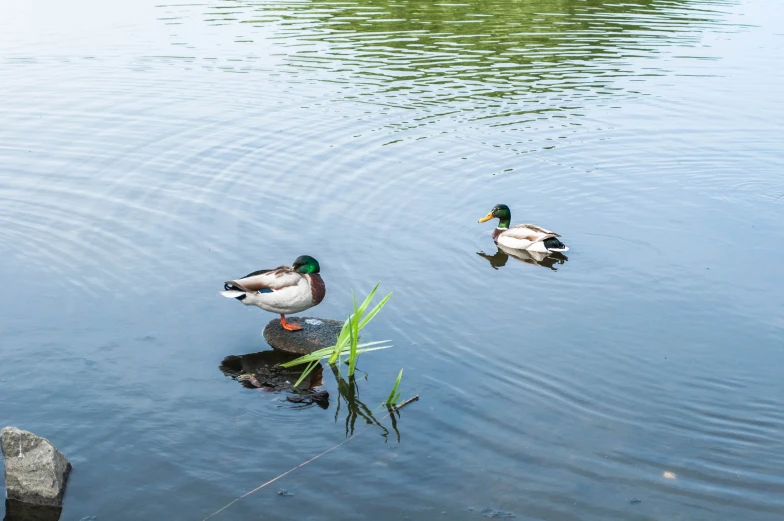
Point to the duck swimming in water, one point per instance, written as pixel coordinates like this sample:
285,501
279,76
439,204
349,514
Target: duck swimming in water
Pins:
284,290
528,237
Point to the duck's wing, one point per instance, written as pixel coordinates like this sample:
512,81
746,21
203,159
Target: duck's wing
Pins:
265,280
536,229
528,232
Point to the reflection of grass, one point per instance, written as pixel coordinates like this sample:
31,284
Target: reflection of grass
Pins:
348,340
348,390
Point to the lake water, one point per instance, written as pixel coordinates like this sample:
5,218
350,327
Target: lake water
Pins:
149,151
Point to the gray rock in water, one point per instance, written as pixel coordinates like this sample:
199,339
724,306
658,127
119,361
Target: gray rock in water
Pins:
316,334
35,471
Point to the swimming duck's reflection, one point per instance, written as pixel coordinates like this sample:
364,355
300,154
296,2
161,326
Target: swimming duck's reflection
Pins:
548,260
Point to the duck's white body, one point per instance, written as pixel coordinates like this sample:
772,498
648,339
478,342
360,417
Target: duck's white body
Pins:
527,237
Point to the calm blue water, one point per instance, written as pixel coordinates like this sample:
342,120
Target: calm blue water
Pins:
149,151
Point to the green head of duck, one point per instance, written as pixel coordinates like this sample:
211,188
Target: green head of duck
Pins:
500,212
306,264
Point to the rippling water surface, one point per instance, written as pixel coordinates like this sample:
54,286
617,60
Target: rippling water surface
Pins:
150,151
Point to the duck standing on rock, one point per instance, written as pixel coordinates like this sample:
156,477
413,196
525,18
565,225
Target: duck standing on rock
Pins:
528,237
284,290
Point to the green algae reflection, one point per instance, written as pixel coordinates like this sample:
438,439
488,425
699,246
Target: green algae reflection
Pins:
424,52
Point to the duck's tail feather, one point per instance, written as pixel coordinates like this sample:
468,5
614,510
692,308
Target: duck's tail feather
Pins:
233,293
234,285
553,244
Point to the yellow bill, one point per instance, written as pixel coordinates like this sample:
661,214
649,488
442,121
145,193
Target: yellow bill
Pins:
486,217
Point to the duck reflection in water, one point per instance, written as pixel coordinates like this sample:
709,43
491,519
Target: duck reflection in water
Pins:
262,371
548,260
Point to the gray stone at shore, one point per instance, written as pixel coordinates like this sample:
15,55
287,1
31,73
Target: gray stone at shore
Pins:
316,334
36,472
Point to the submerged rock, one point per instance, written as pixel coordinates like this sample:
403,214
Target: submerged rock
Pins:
316,334
18,511
36,472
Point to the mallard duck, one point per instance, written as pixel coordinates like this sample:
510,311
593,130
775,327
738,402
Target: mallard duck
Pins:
527,237
284,290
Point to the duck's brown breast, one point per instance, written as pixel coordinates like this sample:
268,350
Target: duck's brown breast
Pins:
317,287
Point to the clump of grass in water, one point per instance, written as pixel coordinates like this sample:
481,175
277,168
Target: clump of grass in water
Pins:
348,340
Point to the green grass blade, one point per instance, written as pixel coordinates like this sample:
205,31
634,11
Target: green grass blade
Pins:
353,320
344,332
326,352
374,311
366,303
354,323
343,338
306,372
394,395
348,330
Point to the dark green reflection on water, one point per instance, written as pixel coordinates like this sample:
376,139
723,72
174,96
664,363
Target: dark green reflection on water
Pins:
484,49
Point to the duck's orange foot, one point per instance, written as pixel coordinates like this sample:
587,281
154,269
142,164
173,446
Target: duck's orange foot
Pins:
289,326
